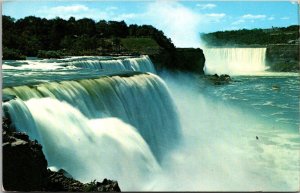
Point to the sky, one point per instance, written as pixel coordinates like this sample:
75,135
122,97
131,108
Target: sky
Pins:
182,21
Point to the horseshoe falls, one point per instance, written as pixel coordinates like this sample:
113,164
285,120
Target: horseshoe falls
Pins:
114,117
235,61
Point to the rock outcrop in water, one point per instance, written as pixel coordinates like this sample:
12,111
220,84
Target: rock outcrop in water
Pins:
25,167
219,80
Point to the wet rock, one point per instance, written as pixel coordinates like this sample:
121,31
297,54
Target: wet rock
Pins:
65,173
275,87
24,164
56,181
7,125
104,186
219,80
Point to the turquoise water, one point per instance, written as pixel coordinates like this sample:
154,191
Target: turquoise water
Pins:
273,98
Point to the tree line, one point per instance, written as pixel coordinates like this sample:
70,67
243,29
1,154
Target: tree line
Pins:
275,35
33,36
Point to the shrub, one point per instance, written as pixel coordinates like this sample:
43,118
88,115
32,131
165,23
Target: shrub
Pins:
12,54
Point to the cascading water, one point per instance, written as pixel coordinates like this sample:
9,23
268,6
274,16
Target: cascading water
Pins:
87,148
141,64
39,71
118,127
234,61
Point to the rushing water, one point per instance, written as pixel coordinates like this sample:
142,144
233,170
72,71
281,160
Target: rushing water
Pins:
179,133
234,60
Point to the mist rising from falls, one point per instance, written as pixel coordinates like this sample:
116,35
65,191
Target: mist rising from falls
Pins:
234,61
142,100
87,148
219,150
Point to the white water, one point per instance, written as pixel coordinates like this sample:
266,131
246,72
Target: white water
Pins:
141,64
234,61
109,65
142,101
86,148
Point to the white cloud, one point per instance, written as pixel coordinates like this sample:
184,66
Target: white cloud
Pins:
294,2
238,22
78,11
126,16
216,15
285,18
112,8
250,16
206,6
71,8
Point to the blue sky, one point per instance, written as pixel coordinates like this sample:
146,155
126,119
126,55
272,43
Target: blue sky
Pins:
180,20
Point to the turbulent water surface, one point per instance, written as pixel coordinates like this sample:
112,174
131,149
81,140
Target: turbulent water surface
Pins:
173,132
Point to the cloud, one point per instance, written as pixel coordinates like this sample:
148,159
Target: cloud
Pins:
216,15
112,8
250,16
238,22
77,10
126,16
206,6
68,9
285,18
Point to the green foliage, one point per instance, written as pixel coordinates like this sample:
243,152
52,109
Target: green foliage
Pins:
144,45
253,37
74,37
285,67
12,54
49,54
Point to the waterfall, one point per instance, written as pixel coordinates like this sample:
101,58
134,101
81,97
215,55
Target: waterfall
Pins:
142,101
141,64
234,61
87,148
29,72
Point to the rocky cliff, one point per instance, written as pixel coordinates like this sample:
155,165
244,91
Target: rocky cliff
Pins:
180,59
283,58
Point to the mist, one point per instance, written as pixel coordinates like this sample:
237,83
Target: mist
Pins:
219,151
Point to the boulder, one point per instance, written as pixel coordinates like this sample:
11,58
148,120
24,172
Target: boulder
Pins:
24,164
219,80
57,181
